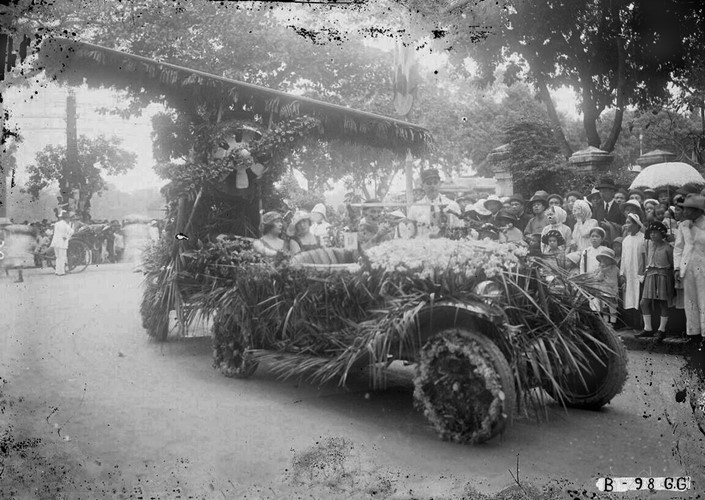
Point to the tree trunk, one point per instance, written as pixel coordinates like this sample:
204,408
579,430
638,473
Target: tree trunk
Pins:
621,84
545,96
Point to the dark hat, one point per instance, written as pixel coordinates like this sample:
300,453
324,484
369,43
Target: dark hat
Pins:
594,194
655,226
607,183
429,174
506,215
695,201
553,233
639,192
664,189
540,198
577,194
560,198
517,197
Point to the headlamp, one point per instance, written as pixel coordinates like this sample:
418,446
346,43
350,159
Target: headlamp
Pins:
488,289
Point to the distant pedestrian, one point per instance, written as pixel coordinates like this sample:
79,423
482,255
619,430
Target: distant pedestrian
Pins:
60,241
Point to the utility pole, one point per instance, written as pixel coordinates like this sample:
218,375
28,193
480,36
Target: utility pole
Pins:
69,199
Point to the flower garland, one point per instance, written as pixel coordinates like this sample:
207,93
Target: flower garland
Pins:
459,390
429,259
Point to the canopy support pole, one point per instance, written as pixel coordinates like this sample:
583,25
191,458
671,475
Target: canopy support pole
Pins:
409,181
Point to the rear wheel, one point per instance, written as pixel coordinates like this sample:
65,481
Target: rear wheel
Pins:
602,381
464,386
78,256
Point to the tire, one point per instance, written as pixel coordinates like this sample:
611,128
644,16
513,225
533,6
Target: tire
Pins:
603,382
464,386
78,256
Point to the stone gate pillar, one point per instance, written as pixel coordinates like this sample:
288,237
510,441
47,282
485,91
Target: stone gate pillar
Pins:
591,160
500,168
654,157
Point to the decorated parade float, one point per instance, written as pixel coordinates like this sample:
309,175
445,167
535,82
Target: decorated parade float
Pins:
485,326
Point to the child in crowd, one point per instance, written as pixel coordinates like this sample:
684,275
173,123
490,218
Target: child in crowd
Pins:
320,227
608,273
572,261
555,247
649,208
588,257
658,279
556,222
534,241
631,266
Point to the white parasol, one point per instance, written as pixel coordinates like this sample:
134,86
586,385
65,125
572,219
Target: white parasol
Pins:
674,174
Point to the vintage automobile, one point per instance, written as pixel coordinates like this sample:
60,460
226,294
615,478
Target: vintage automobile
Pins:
484,325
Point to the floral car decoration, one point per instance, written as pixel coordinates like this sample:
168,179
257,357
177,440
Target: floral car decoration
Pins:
323,325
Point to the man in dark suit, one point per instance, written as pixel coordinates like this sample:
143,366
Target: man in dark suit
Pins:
517,204
606,211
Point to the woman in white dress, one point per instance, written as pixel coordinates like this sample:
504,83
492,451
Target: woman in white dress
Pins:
583,224
631,268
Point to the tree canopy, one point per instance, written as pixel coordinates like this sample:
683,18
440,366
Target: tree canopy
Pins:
613,53
96,157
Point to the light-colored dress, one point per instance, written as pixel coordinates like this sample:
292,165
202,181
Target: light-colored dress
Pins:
581,234
692,271
632,252
320,231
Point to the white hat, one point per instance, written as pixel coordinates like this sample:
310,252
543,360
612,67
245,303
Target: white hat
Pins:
320,209
492,198
398,214
479,208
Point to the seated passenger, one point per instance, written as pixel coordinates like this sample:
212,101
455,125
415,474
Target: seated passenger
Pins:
270,243
302,239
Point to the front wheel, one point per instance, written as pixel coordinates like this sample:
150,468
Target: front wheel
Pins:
604,377
464,386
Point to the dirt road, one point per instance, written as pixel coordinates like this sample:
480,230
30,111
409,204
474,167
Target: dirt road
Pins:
91,408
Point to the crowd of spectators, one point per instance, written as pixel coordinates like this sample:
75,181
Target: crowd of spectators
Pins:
646,246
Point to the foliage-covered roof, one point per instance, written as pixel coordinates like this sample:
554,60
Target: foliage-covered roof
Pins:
75,62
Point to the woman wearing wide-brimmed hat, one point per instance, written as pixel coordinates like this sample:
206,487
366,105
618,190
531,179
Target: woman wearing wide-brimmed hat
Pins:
689,263
537,206
299,231
505,221
270,244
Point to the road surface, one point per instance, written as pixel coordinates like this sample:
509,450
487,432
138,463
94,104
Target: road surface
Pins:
90,407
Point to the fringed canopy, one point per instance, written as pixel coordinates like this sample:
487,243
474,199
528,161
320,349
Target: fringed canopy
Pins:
77,62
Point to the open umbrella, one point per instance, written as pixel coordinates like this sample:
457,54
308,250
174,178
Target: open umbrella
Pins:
674,174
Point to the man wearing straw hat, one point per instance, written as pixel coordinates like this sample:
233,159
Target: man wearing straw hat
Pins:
434,212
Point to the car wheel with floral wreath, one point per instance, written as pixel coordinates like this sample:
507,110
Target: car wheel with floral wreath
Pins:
464,386
594,387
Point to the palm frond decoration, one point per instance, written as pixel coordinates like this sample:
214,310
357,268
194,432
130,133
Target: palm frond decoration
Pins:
323,326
